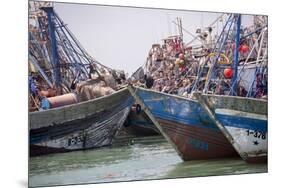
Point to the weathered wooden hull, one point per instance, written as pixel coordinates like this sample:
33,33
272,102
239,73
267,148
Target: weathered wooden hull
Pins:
185,124
243,121
85,125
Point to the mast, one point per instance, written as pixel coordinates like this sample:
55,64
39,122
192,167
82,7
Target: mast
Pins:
53,41
236,53
180,27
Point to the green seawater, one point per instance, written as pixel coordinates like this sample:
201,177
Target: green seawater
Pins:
145,159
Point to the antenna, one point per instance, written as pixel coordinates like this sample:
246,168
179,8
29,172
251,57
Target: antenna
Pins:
168,23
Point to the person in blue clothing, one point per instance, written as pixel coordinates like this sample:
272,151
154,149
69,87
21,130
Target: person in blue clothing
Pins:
34,92
32,86
33,89
45,105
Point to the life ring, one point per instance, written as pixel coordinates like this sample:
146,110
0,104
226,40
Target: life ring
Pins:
225,60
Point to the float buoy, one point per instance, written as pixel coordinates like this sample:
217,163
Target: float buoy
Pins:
177,61
244,48
228,73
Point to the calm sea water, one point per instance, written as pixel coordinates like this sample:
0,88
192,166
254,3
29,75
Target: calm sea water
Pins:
145,159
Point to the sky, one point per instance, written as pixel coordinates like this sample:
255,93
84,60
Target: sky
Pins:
121,37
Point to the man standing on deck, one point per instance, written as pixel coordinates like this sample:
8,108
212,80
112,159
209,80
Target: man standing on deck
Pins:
149,81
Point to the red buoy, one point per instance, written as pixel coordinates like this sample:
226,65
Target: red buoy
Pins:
228,73
244,48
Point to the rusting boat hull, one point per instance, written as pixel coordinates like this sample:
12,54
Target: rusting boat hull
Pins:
185,124
196,143
85,125
243,121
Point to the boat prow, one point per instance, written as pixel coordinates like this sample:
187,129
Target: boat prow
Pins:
185,124
84,125
243,121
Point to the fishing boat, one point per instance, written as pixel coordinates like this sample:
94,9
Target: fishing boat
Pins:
75,102
185,124
169,103
243,121
139,124
85,125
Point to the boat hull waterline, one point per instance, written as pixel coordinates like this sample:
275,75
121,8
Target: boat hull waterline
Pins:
244,120
187,126
90,124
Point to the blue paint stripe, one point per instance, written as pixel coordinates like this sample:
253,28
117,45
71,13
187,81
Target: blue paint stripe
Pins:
186,122
170,108
242,122
177,110
37,139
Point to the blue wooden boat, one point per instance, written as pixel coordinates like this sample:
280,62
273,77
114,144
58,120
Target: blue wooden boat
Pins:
242,117
243,121
185,124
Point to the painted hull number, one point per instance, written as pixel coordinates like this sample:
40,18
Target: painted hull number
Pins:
198,144
75,140
256,134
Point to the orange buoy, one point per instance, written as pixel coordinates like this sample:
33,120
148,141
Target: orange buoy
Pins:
62,100
228,73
